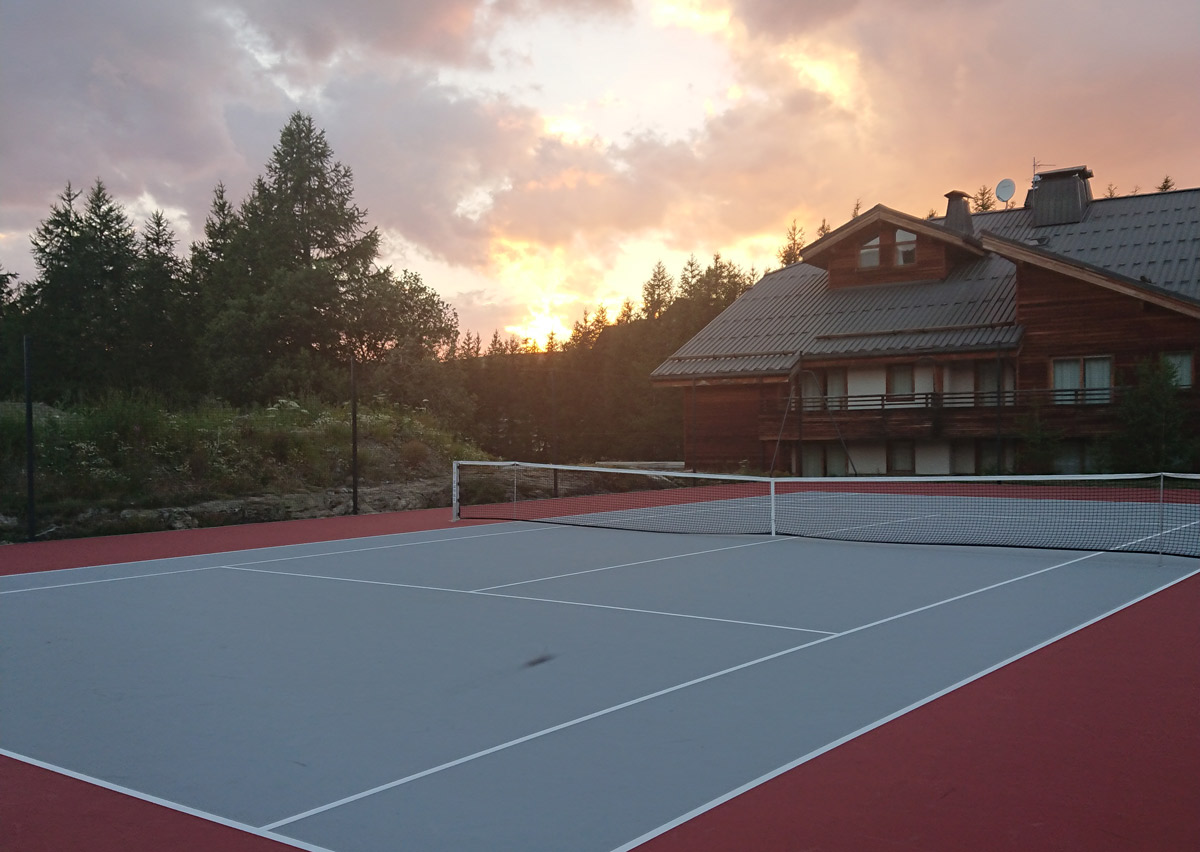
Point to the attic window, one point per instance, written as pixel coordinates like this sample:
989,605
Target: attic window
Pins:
906,248
868,255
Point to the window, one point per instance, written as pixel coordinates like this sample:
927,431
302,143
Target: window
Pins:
1076,456
810,391
835,460
962,457
906,248
1181,363
812,459
987,382
902,457
900,380
835,388
1082,380
1068,457
868,255
992,457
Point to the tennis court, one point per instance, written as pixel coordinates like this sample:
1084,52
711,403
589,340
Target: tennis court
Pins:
515,685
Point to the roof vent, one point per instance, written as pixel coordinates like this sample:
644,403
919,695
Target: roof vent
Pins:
958,214
1060,196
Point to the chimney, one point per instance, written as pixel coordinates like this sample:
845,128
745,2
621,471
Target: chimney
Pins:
1060,197
958,214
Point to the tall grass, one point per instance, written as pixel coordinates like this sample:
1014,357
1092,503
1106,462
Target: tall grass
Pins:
132,452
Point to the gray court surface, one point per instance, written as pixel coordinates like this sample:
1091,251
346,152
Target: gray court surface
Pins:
514,686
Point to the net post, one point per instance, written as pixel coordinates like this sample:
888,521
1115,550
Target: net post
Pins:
454,516
772,507
1161,509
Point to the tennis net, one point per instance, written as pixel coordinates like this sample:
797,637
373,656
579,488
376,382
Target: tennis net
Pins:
1149,513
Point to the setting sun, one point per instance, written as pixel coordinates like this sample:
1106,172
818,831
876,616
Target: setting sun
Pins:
539,324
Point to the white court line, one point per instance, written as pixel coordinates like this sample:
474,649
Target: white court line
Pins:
880,524
266,561
653,612
346,580
628,564
109,580
1159,534
166,803
220,553
633,702
387,546
485,594
787,767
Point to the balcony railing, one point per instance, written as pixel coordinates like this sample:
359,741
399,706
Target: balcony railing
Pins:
969,399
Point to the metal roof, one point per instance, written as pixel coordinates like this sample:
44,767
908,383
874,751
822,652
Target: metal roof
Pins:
1156,236
792,313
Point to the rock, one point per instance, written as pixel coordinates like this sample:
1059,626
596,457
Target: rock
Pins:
386,497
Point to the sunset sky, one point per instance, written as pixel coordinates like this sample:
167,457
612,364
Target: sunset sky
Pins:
532,158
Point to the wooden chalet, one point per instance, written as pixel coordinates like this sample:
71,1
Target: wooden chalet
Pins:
903,345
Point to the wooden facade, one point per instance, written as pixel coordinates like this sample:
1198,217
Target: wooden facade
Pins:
932,259
1067,318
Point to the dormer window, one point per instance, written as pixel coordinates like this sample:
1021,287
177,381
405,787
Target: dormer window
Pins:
906,248
868,254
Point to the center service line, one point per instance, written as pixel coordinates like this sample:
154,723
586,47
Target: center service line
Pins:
635,701
627,565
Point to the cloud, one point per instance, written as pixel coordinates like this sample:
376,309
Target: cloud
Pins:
445,32
783,18
732,118
131,93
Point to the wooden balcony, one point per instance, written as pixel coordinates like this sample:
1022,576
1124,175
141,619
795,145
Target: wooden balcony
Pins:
1072,413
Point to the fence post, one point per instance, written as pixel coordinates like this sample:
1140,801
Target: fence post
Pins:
31,504
353,436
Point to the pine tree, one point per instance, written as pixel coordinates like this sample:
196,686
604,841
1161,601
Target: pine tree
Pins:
689,279
1166,186
658,292
983,200
207,255
161,312
78,307
295,291
790,251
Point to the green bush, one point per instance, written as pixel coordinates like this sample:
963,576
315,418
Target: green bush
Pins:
129,452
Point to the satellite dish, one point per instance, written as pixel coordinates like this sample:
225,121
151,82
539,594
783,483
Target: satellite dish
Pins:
1005,189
